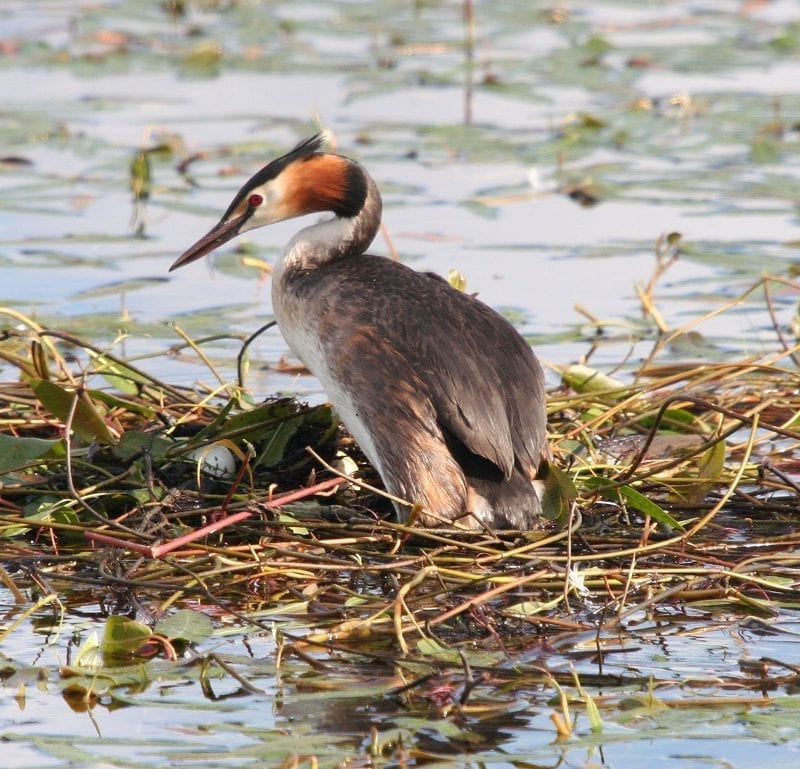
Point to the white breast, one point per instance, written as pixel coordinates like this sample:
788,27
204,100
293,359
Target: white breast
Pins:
298,330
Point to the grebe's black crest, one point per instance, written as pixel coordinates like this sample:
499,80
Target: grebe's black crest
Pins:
303,151
347,202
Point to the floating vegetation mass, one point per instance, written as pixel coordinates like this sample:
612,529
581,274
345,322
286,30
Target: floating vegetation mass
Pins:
184,512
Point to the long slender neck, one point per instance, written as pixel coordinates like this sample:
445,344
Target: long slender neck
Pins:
336,238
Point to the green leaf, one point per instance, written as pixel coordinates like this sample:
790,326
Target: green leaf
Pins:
204,57
119,376
709,470
597,45
87,421
18,452
186,625
559,492
51,508
634,499
140,176
132,442
275,423
355,600
124,636
593,122
275,449
584,379
88,654
788,39
115,289
593,712
212,429
115,402
288,518
672,417
43,509
445,730
530,608
766,149
259,422
431,648
640,502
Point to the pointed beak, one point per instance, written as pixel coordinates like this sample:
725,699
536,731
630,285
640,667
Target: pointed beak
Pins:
213,239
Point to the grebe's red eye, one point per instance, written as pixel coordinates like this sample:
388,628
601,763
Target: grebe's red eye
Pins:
255,200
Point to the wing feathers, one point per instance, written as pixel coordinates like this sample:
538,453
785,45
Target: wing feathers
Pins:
481,378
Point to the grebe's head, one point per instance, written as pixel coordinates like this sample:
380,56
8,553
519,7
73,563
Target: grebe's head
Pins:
303,181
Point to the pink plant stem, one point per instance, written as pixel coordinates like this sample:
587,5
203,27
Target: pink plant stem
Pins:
157,551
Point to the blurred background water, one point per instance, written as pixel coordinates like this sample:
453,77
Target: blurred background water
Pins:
544,160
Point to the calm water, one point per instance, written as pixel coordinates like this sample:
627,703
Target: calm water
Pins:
676,116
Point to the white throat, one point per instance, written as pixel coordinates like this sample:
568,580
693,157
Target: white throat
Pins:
319,243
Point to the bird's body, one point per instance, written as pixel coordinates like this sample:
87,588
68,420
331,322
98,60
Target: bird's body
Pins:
442,394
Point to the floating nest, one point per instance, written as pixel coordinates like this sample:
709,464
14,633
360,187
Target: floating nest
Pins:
672,490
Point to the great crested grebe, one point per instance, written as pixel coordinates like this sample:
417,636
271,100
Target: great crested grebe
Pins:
444,397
